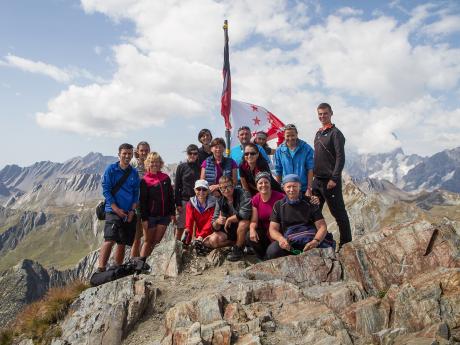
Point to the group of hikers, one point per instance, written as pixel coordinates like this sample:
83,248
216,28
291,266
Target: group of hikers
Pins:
236,201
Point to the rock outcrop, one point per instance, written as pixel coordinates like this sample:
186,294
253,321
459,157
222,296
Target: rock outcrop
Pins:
398,286
21,285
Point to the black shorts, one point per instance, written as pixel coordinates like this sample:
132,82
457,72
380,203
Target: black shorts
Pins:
231,232
117,230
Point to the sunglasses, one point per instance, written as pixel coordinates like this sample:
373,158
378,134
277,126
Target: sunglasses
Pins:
193,153
201,189
226,187
290,126
252,153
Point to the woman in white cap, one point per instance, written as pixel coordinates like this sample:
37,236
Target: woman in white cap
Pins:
199,212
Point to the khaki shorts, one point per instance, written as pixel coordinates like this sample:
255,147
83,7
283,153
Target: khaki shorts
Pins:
181,216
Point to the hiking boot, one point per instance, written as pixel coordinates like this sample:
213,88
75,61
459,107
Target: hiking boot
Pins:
248,250
236,254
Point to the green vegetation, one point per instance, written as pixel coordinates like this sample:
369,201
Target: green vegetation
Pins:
55,244
381,293
38,321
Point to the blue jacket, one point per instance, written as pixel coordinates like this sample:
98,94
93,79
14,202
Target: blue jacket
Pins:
127,195
300,163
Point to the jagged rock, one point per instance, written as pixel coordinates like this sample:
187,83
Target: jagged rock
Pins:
312,322
166,259
246,291
215,258
397,254
366,317
430,299
104,315
307,269
21,285
337,296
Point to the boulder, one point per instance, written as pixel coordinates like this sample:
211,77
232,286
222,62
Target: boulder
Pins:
395,255
166,259
105,314
307,269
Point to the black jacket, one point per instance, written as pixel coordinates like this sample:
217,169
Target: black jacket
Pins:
184,183
241,204
156,200
329,154
202,155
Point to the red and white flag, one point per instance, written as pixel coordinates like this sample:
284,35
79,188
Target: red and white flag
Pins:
257,118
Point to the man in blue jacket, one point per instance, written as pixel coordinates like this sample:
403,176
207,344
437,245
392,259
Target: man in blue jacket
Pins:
120,207
295,156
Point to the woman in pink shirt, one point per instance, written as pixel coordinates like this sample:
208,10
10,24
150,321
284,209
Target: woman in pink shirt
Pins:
262,206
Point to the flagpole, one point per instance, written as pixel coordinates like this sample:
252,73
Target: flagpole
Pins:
226,92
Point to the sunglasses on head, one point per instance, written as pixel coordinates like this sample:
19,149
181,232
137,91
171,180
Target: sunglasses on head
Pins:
226,187
201,189
244,128
251,153
290,126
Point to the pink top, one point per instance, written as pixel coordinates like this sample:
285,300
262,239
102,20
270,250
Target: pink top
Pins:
264,209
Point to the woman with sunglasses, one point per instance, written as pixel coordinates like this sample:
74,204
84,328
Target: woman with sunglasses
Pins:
216,166
262,206
231,219
186,175
156,201
199,212
253,164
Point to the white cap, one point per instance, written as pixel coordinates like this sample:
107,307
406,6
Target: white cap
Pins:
202,184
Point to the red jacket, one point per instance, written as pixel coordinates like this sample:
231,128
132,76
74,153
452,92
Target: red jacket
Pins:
202,220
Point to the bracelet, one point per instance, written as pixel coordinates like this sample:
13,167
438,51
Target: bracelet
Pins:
316,240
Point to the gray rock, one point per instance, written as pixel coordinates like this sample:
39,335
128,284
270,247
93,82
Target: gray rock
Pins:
307,269
105,314
20,285
166,259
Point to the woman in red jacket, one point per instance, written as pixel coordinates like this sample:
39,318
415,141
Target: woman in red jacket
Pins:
156,202
199,212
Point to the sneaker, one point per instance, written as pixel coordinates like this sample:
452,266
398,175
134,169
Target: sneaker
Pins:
236,254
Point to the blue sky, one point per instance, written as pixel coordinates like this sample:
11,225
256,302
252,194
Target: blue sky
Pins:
81,76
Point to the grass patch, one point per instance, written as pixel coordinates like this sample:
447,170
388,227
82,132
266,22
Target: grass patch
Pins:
38,321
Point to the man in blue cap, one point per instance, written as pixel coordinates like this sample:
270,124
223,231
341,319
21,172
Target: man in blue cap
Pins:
296,224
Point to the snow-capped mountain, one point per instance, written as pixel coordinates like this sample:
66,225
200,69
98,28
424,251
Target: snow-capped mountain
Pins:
409,172
391,166
440,171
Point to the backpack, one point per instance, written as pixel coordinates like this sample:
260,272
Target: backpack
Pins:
134,265
299,235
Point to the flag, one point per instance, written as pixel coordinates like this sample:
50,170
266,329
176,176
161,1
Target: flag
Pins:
227,86
257,118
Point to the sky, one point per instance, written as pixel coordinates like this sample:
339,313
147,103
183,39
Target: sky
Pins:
85,76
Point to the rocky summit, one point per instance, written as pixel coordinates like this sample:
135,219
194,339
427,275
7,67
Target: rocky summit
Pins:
398,285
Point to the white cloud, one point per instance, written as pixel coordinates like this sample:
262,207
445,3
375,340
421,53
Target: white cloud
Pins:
445,26
349,11
38,67
372,70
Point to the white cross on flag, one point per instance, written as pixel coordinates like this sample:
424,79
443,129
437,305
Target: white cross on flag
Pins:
257,118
